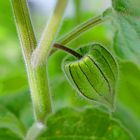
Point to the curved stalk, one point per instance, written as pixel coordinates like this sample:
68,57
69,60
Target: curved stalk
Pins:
42,51
68,50
79,30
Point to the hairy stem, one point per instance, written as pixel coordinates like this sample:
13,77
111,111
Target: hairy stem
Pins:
24,28
79,30
41,53
35,131
37,77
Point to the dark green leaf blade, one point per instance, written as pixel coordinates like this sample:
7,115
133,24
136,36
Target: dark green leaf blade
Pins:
88,124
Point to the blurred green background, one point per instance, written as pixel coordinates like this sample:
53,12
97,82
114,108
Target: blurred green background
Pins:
13,79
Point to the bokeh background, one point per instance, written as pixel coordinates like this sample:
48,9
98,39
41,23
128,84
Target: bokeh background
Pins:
13,79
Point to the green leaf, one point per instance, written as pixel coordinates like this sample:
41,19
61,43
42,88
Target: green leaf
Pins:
20,105
127,6
10,83
128,97
128,87
9,121
129,92
87,124
131,123
94,75
15,102
7,27
126,20
127,38
6,134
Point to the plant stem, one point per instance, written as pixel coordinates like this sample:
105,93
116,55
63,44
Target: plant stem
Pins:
82,28
41,53
24,28
35,131
37,77
66,49
79,30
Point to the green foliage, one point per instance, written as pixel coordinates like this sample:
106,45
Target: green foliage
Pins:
11,64
87,124
10,82
16,113
126,18
128,87
127,6
10,121
94,75
6,134
6,19
128,96
15,102
131,123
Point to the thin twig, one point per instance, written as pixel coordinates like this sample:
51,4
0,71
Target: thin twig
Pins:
66,49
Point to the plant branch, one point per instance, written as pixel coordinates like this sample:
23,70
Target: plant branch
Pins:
41,53
82,28
79,30
24,28
37,77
